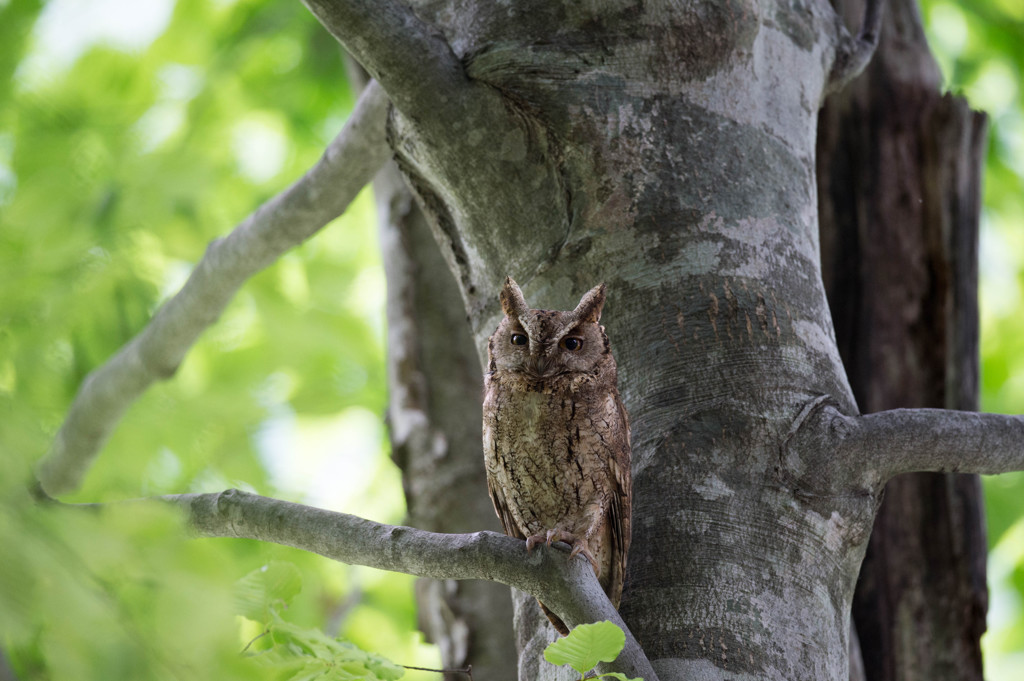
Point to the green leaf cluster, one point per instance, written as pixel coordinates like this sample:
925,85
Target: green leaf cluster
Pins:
304,654
586,645
116,171
295,652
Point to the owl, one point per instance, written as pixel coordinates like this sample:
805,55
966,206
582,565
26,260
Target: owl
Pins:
556,435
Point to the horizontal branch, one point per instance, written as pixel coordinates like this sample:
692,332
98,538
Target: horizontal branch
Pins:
854,53
568,587
921,440
287,220
943,440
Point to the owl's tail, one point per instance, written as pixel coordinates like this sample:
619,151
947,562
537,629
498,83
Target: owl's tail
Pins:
555,620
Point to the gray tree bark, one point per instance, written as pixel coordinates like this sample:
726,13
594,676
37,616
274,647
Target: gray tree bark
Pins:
668,152
434,389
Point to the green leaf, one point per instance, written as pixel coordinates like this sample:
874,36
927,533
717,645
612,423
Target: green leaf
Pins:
586,645
266,590
385,669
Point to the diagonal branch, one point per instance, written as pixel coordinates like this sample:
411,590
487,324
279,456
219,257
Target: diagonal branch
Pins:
427,83
288,219
938,440
410,59
567,586
854,53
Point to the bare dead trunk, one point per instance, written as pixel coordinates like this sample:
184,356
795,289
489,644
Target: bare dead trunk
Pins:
899,168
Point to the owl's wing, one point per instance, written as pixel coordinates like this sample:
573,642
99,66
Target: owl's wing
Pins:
620,510
501,508
508,523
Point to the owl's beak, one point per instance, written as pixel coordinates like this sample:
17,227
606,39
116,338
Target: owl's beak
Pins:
539,365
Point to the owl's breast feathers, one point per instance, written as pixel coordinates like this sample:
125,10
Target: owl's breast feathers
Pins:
557,456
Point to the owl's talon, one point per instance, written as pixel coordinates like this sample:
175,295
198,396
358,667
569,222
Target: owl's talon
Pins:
578,549
577,545
560,535
534,539
550,537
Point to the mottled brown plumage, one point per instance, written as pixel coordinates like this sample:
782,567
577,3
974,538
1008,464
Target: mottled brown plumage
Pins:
556,435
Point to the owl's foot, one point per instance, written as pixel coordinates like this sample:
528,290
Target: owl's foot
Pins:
539,538
578,547
549,537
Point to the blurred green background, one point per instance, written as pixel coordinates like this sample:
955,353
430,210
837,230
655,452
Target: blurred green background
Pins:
980,46
132,134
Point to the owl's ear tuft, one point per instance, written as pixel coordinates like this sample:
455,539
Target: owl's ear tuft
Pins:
589,309
512,301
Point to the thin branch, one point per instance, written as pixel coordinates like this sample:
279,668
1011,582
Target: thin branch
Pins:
410,59
288,219
248,645
936,440
468,671
854,53
567,586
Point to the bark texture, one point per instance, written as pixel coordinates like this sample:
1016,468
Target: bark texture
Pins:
899,169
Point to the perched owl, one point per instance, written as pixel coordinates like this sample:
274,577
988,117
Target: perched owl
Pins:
556,436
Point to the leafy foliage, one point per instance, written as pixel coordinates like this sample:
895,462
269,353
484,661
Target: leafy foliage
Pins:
295,652
267,590
121,593
586,645
304,653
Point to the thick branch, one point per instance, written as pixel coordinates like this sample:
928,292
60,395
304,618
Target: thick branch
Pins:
854,53
938,440
288,219
409,58
567,586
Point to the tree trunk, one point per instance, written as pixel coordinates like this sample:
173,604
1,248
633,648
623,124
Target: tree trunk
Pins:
899,168
670,153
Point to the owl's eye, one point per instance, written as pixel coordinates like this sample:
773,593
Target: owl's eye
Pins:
572,343
518,339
